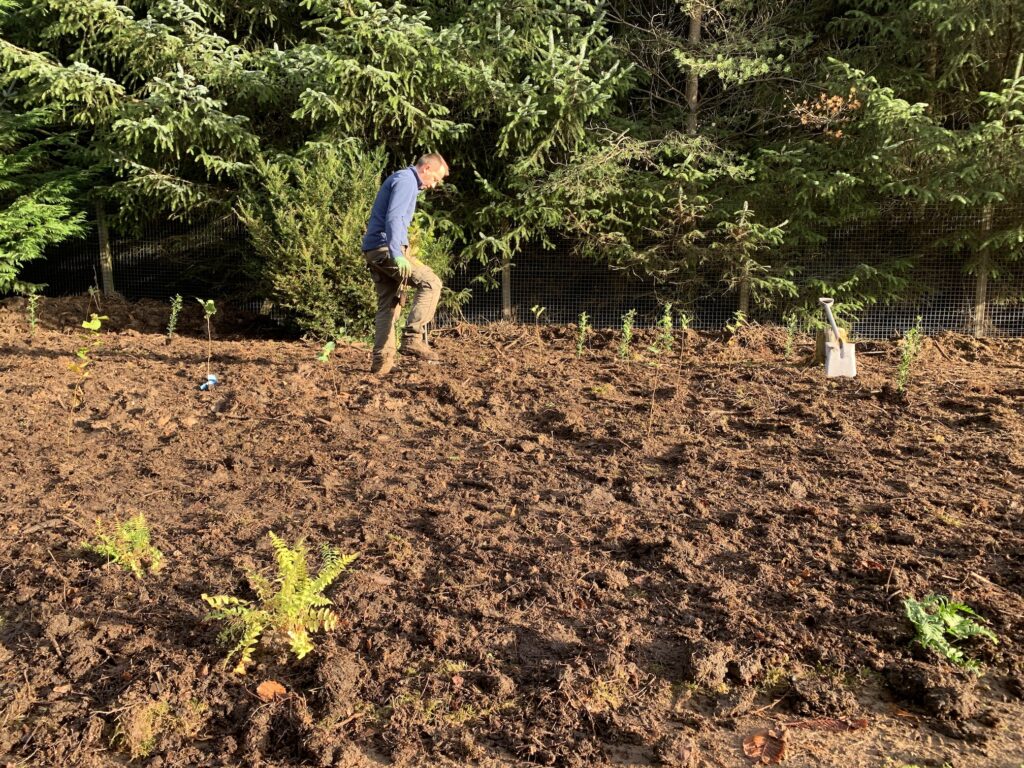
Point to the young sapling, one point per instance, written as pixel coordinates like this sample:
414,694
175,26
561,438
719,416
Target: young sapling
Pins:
209,310
90,341
910,348
582,329
627,334
172,322
30,311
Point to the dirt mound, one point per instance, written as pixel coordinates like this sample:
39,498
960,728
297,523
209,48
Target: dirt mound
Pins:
573,562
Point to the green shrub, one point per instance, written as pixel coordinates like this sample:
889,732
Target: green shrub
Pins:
306,216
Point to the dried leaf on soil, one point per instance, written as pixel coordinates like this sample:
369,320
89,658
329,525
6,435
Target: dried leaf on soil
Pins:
269,690
766,747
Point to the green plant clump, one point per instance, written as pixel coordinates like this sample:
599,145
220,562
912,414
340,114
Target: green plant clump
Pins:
664,343
128,545
90,340
911,348
326,350
940,622
292,604
792,326
627,333
582,329
31,311
172,322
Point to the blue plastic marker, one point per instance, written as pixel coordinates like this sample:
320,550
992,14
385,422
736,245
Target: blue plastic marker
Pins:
210,383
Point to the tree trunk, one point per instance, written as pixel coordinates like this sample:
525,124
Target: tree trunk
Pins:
744,287
979,325
106,261
696,14
506,290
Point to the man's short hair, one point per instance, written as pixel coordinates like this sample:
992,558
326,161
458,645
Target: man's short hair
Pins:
433,157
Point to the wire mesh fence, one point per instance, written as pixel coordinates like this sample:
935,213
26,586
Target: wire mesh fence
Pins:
942,281
929,250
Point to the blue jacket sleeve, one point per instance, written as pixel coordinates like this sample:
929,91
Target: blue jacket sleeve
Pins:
399,215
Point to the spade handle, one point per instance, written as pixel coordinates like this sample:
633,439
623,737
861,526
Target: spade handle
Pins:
827,304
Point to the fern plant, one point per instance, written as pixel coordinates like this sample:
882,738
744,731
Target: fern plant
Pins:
293,604
940,622
128,545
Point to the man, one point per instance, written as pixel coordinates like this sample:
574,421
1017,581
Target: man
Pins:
392,269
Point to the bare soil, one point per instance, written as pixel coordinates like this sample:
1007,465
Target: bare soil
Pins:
591,562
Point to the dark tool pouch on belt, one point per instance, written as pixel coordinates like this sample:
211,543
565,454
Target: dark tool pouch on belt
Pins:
380,262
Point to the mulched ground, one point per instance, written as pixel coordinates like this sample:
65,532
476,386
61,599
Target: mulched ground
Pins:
562,562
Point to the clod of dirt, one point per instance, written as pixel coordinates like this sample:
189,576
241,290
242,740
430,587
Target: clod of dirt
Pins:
608,578
677,750
707,662
597,498
497,684
745,669
946,695
284,727
460,396
822,697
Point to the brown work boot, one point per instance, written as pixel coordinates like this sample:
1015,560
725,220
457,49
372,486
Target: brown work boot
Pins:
417,347
382,364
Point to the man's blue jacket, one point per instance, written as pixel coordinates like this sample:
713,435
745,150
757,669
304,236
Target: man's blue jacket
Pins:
392,212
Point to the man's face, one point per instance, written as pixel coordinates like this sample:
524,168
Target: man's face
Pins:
432,174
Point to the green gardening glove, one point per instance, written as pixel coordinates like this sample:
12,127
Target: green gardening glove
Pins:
404,267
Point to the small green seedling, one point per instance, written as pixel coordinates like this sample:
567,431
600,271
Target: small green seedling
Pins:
739,321
582,329
911,347
128,546
940,622
172,322
293,605
209,310
537,311
684,325
664,341
627,334
326,350
30,311
792,326
90,340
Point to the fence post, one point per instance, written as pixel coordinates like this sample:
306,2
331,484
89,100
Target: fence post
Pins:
506,290
106,261
980,321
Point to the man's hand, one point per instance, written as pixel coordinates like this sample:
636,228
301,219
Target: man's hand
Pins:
404,267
